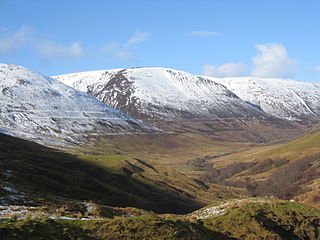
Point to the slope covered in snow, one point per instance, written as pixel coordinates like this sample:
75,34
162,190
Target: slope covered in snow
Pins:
283,98
160,93
36,106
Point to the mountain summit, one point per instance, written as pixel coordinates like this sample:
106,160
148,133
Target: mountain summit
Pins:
283,98
160,93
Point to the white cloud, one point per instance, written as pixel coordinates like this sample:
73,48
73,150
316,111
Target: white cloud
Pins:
50,49
225,70
12,42
108,48
205,34
25,36
124,55
316,69
137,37
273,61
123,51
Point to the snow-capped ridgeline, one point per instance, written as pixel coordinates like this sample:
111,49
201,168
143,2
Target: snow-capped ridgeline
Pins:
166,93
34,105
283,98
161,93
82,80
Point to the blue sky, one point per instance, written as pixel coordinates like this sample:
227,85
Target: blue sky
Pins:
217,38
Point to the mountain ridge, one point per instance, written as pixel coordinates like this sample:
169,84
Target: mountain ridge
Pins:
281,98
161,93
39,107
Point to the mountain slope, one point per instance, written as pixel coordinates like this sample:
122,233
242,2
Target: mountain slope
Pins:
33,174
288,99
289,170
37,106
160,93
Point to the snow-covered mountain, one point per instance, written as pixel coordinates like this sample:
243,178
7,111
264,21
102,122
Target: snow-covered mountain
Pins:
36,106
160,93
283,98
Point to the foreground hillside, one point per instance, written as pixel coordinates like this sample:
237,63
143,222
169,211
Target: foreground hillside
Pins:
33,174
243,219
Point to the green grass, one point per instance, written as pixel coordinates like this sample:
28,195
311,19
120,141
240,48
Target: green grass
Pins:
284,220
103,160
273,220
121,229
287,170
301,147
49,175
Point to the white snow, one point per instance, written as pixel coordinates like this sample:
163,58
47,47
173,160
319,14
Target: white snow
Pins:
73,218
159,91
282,98
81,80
23,212
220,209
162,92
35,106
9,189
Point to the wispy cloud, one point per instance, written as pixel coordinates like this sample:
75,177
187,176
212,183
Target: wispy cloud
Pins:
225,70
124,55
316,69
273,61
109,48
123,51
50,49
26,37
205,34
138,37
11,42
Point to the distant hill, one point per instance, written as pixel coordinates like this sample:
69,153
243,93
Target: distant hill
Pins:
283,98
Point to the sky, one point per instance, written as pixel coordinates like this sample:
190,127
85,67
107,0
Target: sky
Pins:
221,38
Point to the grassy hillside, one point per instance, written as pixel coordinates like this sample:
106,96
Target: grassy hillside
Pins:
36,174
284,220
302,147
289,170
261,219
172,150
189,140
120,229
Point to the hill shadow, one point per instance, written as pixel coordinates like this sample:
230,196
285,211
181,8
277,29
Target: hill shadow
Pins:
43,172
273,226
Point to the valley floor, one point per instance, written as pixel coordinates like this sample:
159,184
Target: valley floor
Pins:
163,186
